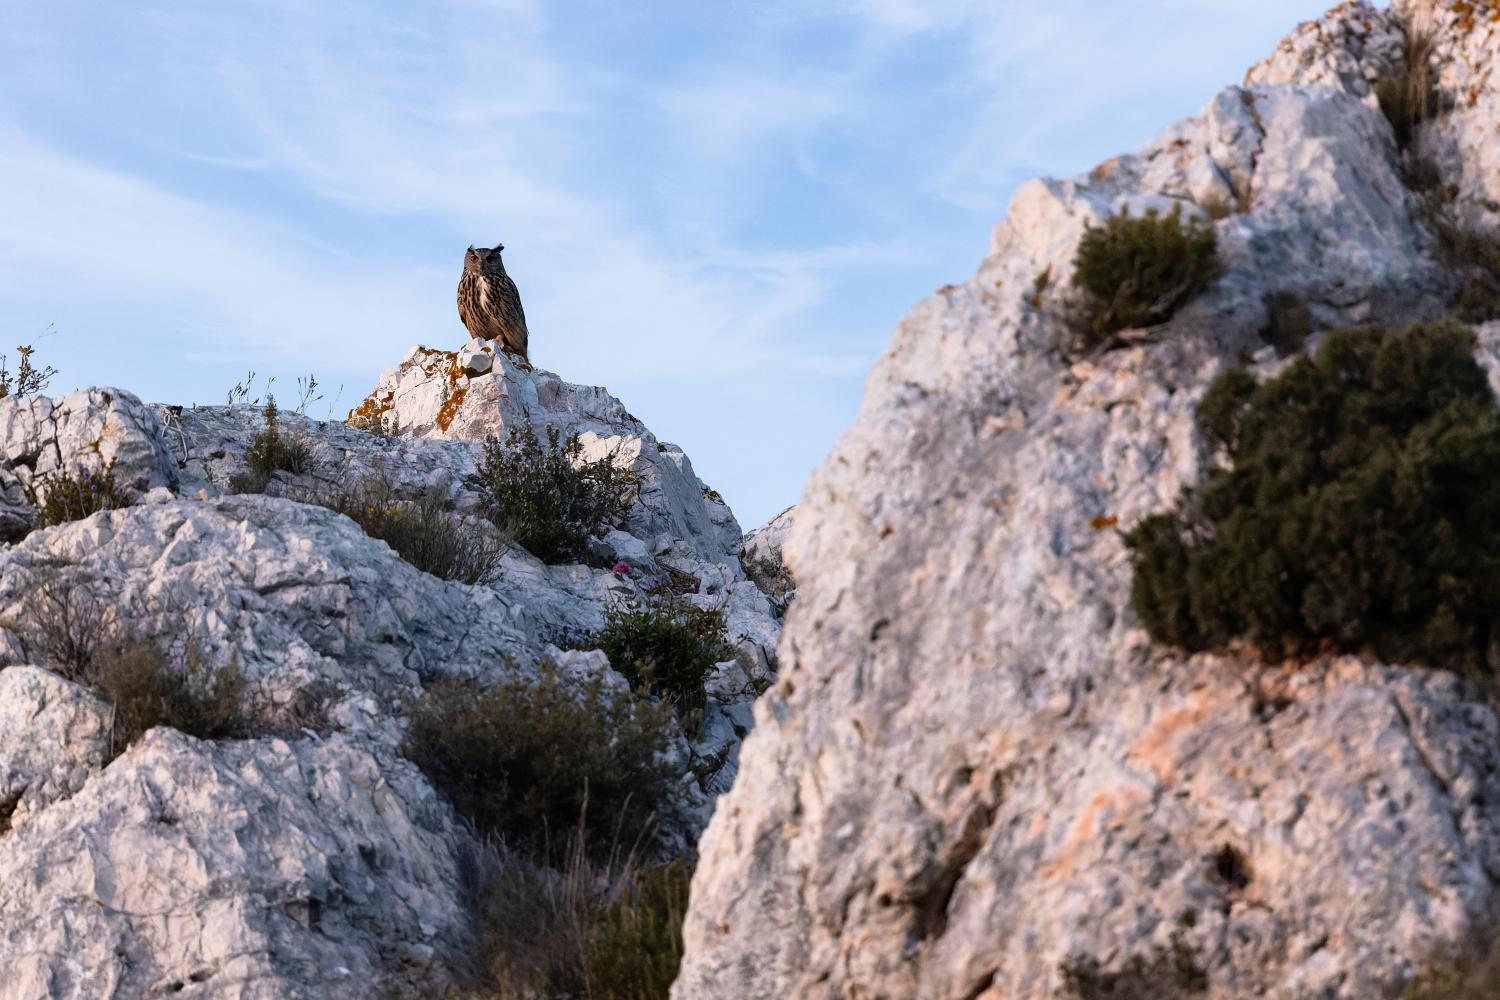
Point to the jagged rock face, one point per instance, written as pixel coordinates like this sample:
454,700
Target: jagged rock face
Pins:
764,562
975,769
305,865
262,869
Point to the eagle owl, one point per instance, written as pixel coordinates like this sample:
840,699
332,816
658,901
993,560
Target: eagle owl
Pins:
488,302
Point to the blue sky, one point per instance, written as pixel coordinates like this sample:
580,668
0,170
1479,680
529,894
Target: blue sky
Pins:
717,210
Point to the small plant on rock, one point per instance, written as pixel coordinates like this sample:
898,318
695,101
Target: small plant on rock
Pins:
29,379
1410,96
272,450
1136,272
665,647
146,689
522,758
1359,509
74,495
65,623
420,529
543,493
606,930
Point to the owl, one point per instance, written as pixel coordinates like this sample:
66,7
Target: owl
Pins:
488,302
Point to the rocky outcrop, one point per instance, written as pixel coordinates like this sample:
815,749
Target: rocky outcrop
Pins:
975,771
761,555
315,861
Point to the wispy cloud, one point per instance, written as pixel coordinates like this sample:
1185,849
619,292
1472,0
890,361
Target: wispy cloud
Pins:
719,212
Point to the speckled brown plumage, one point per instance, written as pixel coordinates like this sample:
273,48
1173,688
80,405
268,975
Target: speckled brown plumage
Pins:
488,302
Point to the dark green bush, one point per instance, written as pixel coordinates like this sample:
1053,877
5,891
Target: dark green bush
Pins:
665,647
420,529
1360,509
1136,272
1410,96
522,758
73,496
546,497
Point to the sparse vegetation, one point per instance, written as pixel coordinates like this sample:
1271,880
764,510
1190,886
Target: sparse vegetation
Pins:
272,450
29,379
420,529
547,497
1360,509
665,646
599,931
1410,96
146,689
67,624
1475,257
64,623
74,495
1137,272
521,759
773,578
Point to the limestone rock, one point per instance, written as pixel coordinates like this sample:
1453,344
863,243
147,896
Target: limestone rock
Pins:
761,555
312,867
262,869
974,769
430,396
53,735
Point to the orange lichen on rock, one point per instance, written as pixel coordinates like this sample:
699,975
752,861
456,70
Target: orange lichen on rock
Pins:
450,406
1105,811
1100,523
370,410
1468,14
1157,747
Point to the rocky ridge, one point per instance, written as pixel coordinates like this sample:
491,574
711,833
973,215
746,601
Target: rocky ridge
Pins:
315,862
975,771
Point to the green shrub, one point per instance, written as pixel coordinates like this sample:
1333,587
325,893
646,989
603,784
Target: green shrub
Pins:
546,497
665,647
1410,96
271,450
601,931
147,690
1360,509
1136,272
73,496
522,758
420,529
